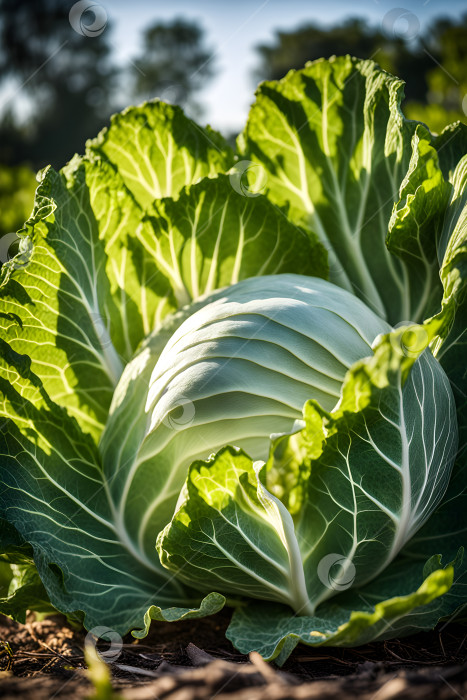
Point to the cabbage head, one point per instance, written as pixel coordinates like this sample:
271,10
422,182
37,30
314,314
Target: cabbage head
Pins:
239,378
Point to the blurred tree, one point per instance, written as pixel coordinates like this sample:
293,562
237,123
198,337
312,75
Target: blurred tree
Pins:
353,36
446,97
174,64
17,188
62,77
434,65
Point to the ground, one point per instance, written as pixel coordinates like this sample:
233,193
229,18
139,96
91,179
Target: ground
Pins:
192,660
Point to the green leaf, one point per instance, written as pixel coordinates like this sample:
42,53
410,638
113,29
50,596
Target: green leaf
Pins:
14,549
452,245
335,148
25,592
230,533
451,342
386,457
446,532
86,291
398,603
21,588
53,493
368,475
446,529
157,150
49,308
213,236
451,144
423,198
209,605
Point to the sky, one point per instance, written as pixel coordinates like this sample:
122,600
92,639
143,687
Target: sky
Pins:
235,27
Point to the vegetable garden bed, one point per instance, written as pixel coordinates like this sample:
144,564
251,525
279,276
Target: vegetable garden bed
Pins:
192,660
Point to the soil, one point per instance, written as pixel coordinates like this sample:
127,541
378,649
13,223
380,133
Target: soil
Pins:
192,660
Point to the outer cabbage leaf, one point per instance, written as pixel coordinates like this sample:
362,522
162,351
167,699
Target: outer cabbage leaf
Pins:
451,145
416,217
85,290
450,344
212,236
413,594
231,534
53,493
368,475
22,590
446,530
401,601
157,150
336,149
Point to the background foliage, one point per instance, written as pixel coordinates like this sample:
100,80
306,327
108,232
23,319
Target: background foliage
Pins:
58,103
